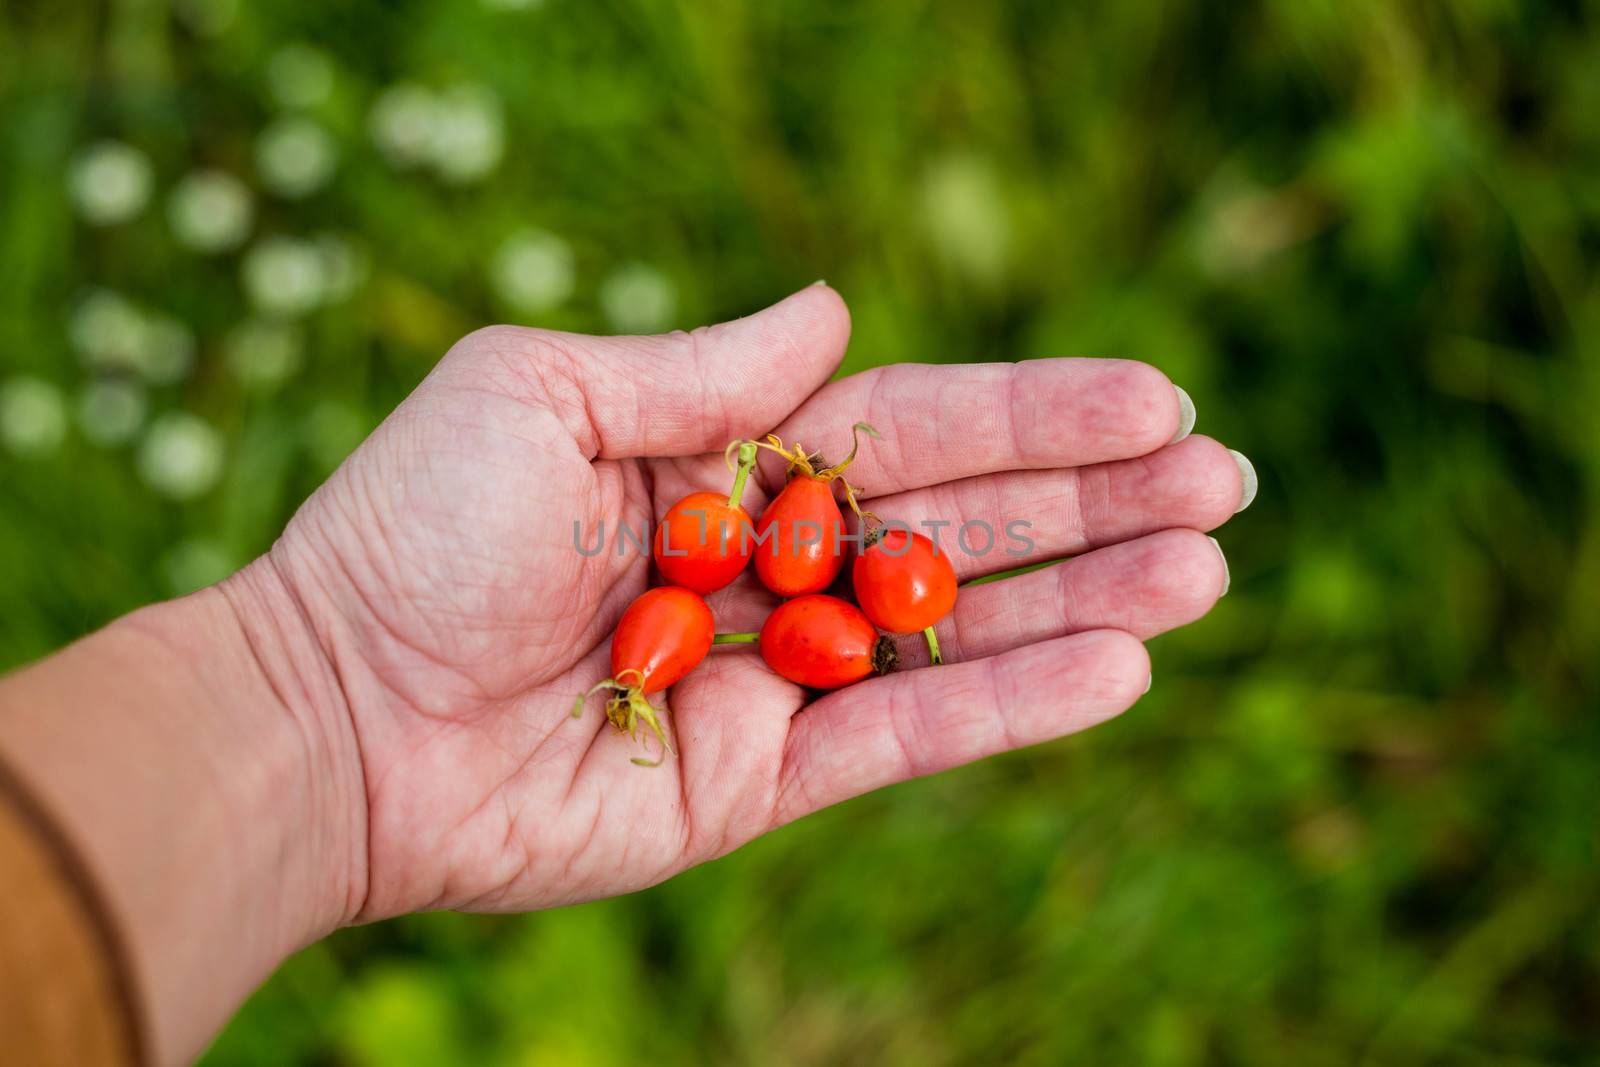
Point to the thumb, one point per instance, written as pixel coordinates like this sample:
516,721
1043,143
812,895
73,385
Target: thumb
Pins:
683,393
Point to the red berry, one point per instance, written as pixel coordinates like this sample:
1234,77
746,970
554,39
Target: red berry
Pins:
823,642
797,541
703,543
903,582
662,636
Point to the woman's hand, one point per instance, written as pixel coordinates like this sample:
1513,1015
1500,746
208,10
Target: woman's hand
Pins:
374,717
439,574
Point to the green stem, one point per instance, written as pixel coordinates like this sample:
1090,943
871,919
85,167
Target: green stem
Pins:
747,462
735,639
933,646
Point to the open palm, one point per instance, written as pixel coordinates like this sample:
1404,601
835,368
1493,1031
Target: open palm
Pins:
440,572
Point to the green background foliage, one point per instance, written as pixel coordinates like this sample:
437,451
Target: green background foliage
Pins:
1355,819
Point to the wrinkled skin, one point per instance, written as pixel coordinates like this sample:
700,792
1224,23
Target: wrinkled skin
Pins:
437,575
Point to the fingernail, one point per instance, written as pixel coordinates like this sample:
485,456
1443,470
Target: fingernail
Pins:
1148,682
820,281
1247,475
1185,415
1225,577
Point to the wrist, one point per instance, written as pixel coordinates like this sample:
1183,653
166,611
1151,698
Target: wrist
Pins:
196,754
304,693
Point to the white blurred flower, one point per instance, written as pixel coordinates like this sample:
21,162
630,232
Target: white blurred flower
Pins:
1242,224
181,456
533,271
965,212
110,411
33,417
295,156
638,299
344,265
285,276
167,349
110,182
300,76
403,122
112,333
459,132
108,329
211,211
206,17
263,354
192,565
468,134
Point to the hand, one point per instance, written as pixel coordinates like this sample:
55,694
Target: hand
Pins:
438,573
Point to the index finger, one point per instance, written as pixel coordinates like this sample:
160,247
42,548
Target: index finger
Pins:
942,422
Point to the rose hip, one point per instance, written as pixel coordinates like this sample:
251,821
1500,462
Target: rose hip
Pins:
797,546
823,642
662,636
904,583
703,542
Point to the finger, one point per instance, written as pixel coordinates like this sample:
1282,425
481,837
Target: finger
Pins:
906,725
940,423
674,394
996,522
1146,587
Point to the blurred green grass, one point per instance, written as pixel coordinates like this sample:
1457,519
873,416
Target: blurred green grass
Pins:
1355,819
